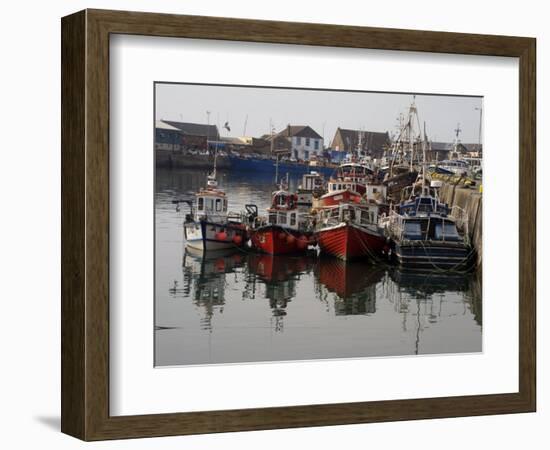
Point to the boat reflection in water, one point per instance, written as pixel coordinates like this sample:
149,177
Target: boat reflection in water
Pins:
279,274
352,284
236,306
204,279
422,297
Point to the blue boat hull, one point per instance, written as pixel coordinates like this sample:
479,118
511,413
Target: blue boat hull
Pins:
269,166
434,256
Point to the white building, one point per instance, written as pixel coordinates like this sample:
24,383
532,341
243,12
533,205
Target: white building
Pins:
304,142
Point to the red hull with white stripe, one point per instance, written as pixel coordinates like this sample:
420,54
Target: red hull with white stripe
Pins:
277,240
347,241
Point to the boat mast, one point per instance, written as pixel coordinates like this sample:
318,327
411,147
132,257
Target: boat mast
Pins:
457,142
271,131
424,188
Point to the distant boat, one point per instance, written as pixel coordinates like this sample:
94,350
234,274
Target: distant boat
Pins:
258,164
456,166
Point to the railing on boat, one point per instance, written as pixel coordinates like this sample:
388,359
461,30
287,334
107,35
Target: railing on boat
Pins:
332,216
395,224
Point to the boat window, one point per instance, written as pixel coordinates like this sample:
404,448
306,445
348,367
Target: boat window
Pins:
273,218
225,204
446,231
201,203
412,231
282,218
293,219
211,204
218,204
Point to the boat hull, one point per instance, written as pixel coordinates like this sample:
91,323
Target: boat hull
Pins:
257,165
433,256
347,241
276,240
205,235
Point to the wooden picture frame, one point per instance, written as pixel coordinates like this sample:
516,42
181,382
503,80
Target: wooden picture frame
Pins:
85,224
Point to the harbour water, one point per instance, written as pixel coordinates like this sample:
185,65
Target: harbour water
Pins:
240,306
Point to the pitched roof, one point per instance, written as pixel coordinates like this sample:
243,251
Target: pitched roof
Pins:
448,146
164,126
441,146
299,131
195,129
372,140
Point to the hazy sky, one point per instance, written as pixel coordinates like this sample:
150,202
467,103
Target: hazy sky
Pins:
324,111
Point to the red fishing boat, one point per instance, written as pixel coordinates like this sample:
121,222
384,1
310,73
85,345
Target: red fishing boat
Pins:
348,186
351,231
287,229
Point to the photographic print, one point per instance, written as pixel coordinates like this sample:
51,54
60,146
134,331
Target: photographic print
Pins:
303,224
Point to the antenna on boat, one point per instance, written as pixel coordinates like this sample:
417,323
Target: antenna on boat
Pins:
245,122
424,188
211,178
276,169
457,141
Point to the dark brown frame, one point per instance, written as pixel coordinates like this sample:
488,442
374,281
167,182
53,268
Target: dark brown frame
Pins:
85,224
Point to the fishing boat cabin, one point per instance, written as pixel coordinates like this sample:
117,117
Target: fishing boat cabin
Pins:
210,226
349,185
426,237
312,187
287,229
350,231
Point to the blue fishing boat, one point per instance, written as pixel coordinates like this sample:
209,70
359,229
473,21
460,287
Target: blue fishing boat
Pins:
257,164
425,232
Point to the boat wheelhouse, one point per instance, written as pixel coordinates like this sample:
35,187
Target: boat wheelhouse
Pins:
287,228
351,231
311,187
426,235
349,185
210,226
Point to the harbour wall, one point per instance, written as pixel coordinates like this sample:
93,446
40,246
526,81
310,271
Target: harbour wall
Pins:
470,199
179,160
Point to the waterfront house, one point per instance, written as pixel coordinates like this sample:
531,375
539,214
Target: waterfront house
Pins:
368,143
439,151
301,142
248,145
167,137
193,136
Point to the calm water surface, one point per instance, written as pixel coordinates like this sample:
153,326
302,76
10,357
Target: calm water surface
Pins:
239,306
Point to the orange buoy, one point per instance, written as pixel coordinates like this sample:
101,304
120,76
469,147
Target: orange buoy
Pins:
221,236
220,265
290,239
237,239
